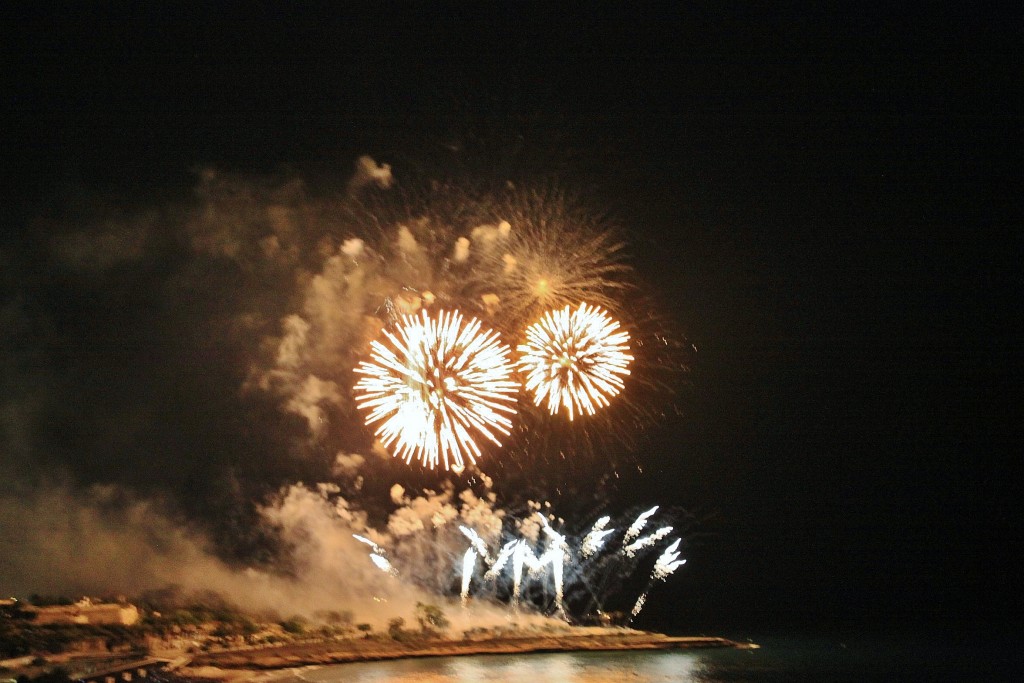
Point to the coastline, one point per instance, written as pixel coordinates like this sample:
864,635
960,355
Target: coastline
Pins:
240,665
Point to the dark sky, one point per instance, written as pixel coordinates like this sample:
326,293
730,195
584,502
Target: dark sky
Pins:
828,204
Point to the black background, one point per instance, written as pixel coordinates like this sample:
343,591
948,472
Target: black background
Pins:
828,203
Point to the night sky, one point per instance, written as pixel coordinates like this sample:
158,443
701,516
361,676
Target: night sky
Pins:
829,205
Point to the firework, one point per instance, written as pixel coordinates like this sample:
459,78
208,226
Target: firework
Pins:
468,565
478,547
440,384
575,359
503,556
364,540
556,252
538,566
377,556
558,554
593,541
522,557
639,605
667,563
382,563
638,525
504,255
478,543
647,541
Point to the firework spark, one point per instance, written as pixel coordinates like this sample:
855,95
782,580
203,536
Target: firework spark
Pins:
575,359
503,556
468,565
639,605
478,543
638,525
440,384
556,253
382,563
366,541
647,541
667,563
377,556
594,541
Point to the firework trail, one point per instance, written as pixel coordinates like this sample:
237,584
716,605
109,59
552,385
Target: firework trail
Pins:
382,563
439,385
574,359
478,543
377,556
646,542
667,563
504,554
366,541
477,547
468,565
637,526
520,555
594,541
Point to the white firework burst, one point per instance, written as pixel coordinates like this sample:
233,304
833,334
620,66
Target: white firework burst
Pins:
575,359
436,387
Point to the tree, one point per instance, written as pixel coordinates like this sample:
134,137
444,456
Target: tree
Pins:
431,618
336,618
295,625
396,628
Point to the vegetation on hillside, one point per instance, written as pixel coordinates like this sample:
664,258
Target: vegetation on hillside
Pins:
200,621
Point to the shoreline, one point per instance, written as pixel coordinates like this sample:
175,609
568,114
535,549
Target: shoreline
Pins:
250,663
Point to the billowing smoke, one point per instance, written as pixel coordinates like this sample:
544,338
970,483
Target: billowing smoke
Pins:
97,542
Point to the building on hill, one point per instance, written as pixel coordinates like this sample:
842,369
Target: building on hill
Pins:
85,611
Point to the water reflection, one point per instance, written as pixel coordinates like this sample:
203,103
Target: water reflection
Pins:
946,653
566,667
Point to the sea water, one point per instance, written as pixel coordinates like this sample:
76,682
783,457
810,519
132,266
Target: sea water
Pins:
946,655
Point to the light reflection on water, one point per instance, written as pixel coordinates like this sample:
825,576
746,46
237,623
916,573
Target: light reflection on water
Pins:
565,667
572,667
950,652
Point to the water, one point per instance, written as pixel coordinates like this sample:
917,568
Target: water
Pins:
931,655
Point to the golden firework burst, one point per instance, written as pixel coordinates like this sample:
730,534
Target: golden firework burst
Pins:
575,359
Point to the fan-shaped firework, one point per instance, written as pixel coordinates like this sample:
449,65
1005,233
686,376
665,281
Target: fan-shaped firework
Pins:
439,385
529,562
575,359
